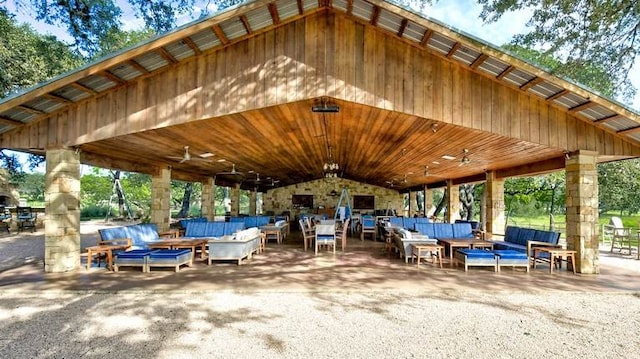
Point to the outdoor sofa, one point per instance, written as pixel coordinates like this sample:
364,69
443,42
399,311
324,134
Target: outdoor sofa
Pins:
523,239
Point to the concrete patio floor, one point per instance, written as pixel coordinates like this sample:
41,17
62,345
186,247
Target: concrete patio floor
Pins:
364,267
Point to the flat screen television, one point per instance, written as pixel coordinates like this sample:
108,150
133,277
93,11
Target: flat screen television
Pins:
302,201
364,202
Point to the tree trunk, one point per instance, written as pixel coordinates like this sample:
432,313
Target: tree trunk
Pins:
119,193
441,204
186,200
466,199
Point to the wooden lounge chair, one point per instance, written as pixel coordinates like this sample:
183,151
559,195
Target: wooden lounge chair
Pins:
619,234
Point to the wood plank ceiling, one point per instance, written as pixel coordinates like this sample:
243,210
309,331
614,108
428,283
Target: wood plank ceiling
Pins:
288,144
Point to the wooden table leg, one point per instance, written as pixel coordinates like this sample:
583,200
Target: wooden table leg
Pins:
89,258
109,259
552,261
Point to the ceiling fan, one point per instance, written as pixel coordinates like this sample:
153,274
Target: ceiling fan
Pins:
427,173
187,156
233,172
256,180
465,157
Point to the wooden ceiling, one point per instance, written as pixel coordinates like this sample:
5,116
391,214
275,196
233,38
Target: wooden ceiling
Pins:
289,144
286,142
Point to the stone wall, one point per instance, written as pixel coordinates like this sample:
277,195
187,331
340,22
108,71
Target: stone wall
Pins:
326,193
9,193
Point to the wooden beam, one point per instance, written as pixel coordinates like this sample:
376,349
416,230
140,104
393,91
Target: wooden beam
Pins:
403,26
245,23
505,72
607,119
479,61
546,166
273,11
220,34
58,98
84,88
453,50
582,107
167,56
425,38
558,95
349,7
629,131
138,67
111,77
531,83
375,15
31,110
192,45
10,122
300,7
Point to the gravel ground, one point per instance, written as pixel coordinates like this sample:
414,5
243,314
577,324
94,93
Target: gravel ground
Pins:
378,324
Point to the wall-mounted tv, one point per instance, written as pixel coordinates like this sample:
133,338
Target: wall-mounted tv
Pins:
364,202
302,200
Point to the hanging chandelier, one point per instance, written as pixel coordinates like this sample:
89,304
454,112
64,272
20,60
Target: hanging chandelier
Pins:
330,167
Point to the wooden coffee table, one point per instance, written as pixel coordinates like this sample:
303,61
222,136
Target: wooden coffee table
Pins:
453,243
422,250
555,254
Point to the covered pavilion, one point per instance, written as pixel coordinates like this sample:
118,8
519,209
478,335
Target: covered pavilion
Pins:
280,88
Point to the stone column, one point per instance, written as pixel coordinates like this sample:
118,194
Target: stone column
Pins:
161,199
428,200
62,211
253,198
453,202
582,210
494,204
413,204
235,200
209,199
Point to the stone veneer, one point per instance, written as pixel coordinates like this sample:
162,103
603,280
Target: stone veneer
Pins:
279,200
161,199
62,223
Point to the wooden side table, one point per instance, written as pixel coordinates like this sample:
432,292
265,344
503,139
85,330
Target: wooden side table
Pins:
555,254
421,250
103,249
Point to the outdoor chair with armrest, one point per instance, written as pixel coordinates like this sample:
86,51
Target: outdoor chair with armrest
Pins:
308,234
620,235
26,218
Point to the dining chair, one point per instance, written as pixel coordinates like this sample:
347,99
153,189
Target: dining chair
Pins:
308,234
368,227
325,236
342,232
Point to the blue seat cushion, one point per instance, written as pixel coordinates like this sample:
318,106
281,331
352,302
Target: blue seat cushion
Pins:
196,229
169,253
476,253
462,230
233,227
510,254
443,230
136,253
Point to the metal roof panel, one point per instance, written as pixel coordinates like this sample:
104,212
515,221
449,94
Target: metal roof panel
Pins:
233,28
414,32
620,124
44,104
362,10
597,112
205,39
389,21
179,50
287,9
125,71
17,114
259,18
72,93
308,5
440,43
151,61
466,55
493,66
97,83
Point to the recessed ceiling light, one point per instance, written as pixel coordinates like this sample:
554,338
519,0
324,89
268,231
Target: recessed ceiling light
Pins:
435,162
449,157
206,155
221,160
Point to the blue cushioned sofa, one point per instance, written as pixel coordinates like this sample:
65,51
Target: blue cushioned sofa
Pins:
212,229
141,234
523,239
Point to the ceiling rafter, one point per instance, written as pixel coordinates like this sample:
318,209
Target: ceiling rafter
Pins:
84,88
629,131
167,56
220,34
10,122
403,26
425,38
273,11
531,83
31,110
300,7
479,61
375,15
557,95
453,50
245,23
505,72
137,66
58,98
192,45
111,77
349,7
582,107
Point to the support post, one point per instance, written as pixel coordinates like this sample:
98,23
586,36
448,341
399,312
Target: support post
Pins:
582,210
235,200
494,204
453,202
62,211
253,205
209,199
161,199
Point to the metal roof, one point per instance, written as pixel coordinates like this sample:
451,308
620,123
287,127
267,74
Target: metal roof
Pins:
237,23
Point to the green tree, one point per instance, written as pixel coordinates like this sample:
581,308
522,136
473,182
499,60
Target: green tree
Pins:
618,186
